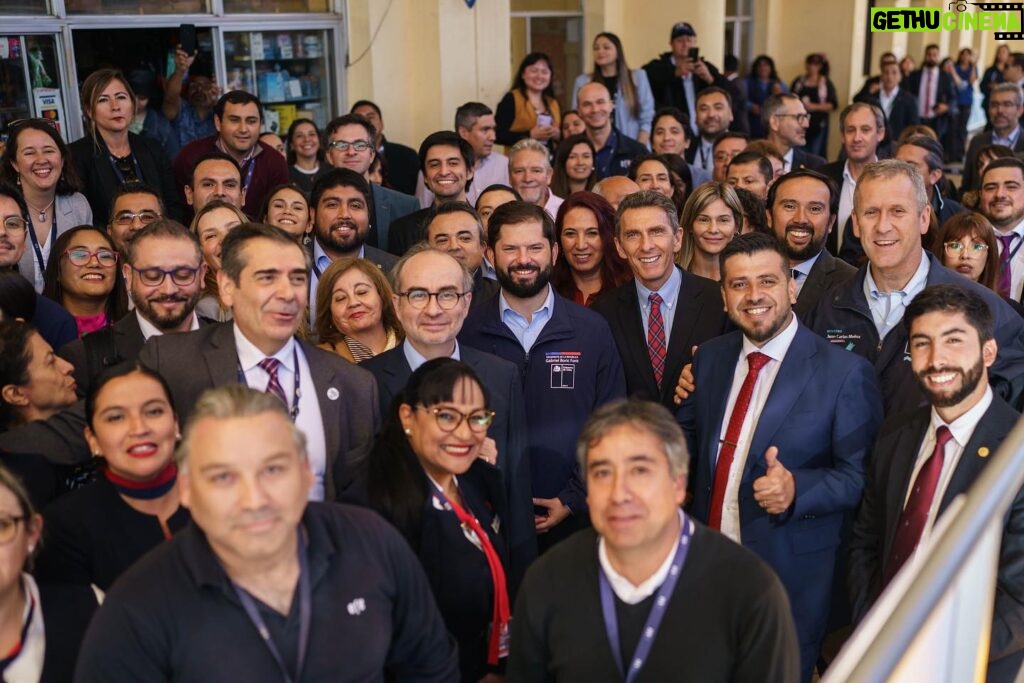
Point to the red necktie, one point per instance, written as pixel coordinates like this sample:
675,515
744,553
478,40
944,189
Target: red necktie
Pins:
915,513
755,361
656,337
270,366
1005,275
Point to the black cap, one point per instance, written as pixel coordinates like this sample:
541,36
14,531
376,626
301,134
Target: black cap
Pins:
683,28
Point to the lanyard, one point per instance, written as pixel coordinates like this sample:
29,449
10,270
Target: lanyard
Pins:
305,614
250,168
40,261
658,609
120,175
296,394
499,640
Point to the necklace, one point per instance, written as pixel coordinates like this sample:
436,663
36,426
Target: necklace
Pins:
42,211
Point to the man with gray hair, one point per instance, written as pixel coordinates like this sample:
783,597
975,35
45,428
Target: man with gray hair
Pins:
291,589
1005,107
890,214
529,174
665,311
682,603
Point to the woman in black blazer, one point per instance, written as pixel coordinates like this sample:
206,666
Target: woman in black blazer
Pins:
426,478
109,155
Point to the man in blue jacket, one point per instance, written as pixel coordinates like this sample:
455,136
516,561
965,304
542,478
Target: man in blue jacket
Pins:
566,354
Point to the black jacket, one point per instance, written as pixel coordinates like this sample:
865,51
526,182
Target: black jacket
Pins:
668,88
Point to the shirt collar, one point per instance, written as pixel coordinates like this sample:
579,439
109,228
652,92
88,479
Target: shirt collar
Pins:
150,330
804,267
776,347
963,427
669,291
504,308
624,589
1017,230
249,356
1010,139
416,359
319,254
917,282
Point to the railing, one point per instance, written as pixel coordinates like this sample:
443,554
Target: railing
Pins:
933,622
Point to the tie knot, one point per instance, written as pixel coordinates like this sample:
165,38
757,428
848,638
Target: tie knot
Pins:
942,436
655,299
1007,240
270,366
757,360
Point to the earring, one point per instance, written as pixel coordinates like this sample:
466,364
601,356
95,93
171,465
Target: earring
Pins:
408,431
31,549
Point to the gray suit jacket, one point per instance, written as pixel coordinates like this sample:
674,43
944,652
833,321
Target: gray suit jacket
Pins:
193,362
72,210
827,271
387,206
127,341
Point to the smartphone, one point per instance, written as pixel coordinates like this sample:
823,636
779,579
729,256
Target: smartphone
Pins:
544,119
694,53
187,38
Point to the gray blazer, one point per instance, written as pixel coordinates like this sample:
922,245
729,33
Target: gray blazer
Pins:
193,362
387,206
72,210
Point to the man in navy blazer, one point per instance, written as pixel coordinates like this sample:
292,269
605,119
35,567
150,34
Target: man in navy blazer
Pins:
430,333
779,461
952,345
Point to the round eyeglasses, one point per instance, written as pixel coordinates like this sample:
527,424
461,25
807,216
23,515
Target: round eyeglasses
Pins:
82,257
958,248
447,299
154,277
449,419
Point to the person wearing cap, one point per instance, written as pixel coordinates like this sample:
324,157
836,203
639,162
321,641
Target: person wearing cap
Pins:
676,77
150,122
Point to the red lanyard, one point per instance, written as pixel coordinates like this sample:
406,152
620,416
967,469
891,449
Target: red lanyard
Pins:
498,646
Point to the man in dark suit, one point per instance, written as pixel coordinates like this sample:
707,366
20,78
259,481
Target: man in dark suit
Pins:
350,144
802,213
456,228
340,208
164,273
1005,107
430,332
898,104
924,459
786,120
659,317
399,163
935,92
264,279
780,425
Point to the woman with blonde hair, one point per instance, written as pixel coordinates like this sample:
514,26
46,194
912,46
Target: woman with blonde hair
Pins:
712,216
210,225
356,316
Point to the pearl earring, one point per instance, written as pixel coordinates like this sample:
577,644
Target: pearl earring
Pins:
408,431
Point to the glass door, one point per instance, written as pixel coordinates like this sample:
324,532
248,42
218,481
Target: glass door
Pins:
30,81
287,69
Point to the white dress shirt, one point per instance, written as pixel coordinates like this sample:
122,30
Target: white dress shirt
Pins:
28,664
802,271
151,330
310,419
622,586
489,170
885,99
552,204
775,349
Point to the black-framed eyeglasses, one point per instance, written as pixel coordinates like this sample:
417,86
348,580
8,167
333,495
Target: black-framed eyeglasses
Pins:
9,527
449,419
15,224
800,118
447,299
957,248
154,277
125,218
343,145
82,257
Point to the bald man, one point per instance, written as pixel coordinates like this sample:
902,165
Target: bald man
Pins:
615,188
615,151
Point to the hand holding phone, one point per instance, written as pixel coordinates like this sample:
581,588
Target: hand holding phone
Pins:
187,38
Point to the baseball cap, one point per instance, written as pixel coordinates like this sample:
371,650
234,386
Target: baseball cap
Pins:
683,28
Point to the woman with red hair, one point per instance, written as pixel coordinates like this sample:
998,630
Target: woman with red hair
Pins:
589,265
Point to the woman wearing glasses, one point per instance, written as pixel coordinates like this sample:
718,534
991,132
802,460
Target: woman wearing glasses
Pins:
427,478
110,155
36,160
41,624
967,244
84,278
357,318
712,216
95,533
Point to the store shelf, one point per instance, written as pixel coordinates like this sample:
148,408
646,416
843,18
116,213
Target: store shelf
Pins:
301,99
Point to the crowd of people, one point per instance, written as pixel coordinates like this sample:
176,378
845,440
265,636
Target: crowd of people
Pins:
659,393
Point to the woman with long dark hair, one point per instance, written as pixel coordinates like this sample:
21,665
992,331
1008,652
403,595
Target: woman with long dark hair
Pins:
762,82
589,265
630,89
427,478
530,109
305,153
816,91
993,75
109,155
575,170
37,161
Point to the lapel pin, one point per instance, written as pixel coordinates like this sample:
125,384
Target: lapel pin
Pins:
983,452
333,394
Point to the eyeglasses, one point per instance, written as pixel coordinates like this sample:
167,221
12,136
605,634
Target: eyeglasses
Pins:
154,277
81,257
9,528
447,299
15,224
957,248
17,123
800,118
449,419
343,145
125,218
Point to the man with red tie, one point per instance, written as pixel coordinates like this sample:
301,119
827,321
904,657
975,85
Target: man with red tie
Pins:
780,423
925,458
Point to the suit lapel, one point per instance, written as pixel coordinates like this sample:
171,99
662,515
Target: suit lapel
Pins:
329,397
720,378
987,436
688,310
904,456
221,356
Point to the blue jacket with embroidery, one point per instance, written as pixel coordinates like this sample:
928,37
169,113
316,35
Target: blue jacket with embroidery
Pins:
573,368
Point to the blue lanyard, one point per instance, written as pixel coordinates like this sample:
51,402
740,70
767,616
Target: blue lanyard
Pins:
40,261
658,609
250,168
120,175
305,614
